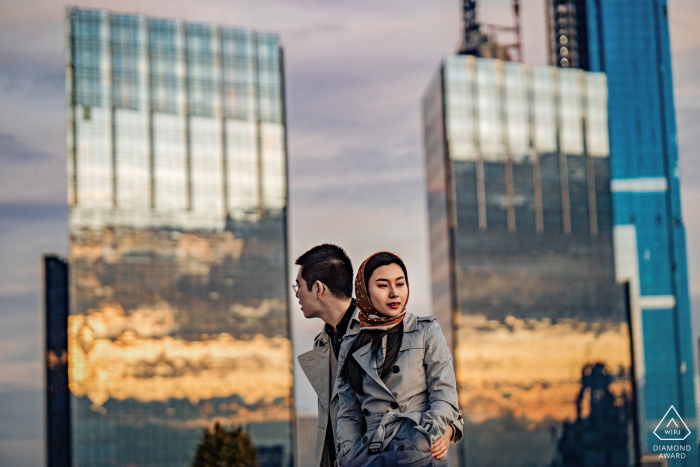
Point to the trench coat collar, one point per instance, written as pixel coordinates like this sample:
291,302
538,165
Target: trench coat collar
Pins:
316,366
354,325
410,324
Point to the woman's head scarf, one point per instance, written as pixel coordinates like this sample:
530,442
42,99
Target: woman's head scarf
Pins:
370,317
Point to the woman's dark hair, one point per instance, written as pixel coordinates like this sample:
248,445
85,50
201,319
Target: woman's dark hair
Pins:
377,261
351,372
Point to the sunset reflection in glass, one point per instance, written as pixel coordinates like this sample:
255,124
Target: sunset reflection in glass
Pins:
523,270
178,245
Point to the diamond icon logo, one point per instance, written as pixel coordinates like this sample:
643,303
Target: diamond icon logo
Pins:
672,427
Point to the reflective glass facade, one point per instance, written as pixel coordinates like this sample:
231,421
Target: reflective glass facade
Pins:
522,260
178,245
629,41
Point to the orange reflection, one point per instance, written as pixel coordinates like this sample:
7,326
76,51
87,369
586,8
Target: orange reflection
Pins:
531,369
147,368
195,253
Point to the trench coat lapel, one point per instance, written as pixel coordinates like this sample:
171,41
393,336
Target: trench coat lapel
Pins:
334,392
363,356
316,366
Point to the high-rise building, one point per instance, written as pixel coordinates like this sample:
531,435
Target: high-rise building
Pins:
58,452
305,430
567,33
522,263
629,41
177,198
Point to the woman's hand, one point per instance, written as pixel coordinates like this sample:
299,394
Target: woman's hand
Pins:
439,449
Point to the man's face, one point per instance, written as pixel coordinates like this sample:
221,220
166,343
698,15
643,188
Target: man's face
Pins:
307,299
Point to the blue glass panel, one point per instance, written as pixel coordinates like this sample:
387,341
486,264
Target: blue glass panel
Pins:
86,57
125,61
164,52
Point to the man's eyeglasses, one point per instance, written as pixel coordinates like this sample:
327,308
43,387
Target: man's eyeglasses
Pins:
295,287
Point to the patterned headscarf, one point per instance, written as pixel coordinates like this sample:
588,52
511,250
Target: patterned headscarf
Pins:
369,317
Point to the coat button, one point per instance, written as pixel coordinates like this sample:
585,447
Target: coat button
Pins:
395,369
364,439
365,411
394,405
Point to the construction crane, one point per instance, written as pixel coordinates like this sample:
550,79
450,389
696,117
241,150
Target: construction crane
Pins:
472,38
480,39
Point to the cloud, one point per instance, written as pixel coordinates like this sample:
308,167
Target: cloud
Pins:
20,341
44,75
21,430
314,31
33,211
26,232
686,68
688,122
16,308
22,452
12,150
405,196
683,16
13,413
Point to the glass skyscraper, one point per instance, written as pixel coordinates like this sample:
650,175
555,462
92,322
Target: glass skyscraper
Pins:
629,41
523,267
57,394
178,246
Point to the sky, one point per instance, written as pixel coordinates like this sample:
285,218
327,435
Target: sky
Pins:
355,75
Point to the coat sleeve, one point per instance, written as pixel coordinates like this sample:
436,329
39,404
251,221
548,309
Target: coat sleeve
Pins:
442,387
350,417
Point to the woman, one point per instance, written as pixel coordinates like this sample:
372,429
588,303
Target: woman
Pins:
396,379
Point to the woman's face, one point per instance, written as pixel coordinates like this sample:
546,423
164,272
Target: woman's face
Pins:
388,289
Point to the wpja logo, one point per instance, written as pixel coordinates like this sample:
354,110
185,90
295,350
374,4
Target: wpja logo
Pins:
672,427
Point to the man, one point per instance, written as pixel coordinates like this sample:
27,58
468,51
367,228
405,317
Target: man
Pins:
324,289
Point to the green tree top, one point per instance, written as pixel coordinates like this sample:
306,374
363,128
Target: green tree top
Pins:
221,447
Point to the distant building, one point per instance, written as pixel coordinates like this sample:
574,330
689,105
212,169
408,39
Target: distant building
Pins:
522,262
567,33
306,439
178,244
651,460
58,449
629,41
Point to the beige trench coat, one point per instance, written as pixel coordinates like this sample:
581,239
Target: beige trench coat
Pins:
316,364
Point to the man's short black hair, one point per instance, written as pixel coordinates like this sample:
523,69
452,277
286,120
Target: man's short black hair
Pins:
329,264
